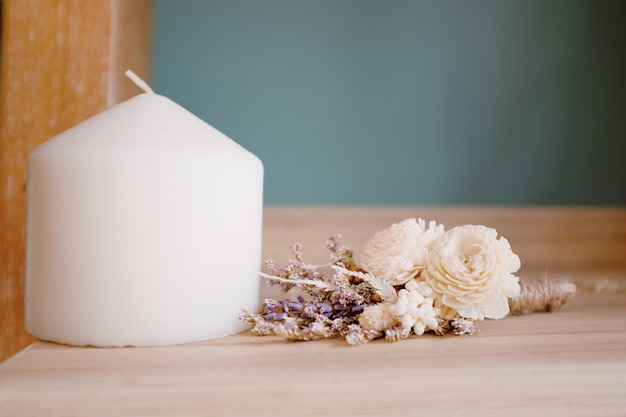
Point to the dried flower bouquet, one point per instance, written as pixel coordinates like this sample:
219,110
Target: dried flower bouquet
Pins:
414,278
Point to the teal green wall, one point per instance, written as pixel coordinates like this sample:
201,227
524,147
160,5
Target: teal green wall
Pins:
408,102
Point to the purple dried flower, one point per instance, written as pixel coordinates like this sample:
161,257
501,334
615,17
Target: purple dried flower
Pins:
296,250
271,267
280,316
296,307
357,309
324,308
332,307
333,242
308,311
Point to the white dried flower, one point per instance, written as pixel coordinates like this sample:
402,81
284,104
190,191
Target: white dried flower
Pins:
445,312
471,271
398,253
377,318
414,308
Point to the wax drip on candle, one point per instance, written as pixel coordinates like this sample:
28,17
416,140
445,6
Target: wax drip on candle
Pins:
138,81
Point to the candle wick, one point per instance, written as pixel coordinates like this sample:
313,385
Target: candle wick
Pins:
138,81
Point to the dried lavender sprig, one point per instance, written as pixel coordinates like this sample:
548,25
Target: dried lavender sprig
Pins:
337,300
299,282
355,335
298,274
289,327
341,287
340,252
385,290
279,310
345,292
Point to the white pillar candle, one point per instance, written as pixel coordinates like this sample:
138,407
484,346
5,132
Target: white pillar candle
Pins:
143,229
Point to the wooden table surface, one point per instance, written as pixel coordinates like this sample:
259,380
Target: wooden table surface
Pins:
568,363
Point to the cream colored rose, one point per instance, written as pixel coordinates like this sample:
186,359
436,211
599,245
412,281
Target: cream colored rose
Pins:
471,271
398,253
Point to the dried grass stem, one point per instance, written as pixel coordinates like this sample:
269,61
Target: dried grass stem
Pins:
542,296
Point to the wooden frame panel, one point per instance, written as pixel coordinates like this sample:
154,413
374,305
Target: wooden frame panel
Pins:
62,61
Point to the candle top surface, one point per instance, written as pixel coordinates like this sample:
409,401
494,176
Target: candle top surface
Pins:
147,123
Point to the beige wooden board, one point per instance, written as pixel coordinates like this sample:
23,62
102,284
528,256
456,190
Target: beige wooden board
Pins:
569,363
552,239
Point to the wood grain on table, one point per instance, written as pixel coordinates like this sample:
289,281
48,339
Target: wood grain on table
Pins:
568,363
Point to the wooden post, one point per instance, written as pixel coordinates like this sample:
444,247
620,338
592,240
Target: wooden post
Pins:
62,61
